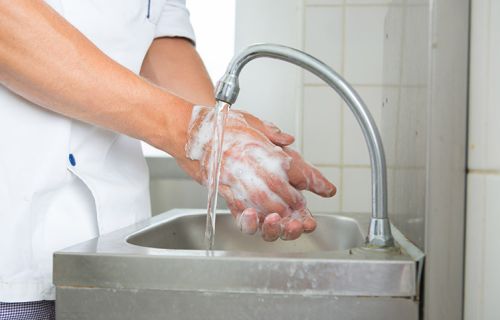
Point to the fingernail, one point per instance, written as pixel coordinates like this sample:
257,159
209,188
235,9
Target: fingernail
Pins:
333,191
292,230
248,222
271,228
309,223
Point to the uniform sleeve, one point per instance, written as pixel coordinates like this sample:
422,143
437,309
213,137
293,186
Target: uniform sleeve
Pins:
174,21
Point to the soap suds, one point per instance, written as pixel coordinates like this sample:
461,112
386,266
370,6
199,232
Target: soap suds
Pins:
249,158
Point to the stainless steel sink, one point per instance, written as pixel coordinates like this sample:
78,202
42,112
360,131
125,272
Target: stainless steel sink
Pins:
186,232
158,269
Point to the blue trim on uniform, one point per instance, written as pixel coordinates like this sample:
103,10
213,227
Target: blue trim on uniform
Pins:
149,9
72,159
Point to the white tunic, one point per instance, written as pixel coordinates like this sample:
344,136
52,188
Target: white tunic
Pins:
63,181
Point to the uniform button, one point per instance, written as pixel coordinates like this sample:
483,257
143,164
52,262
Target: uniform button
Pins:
72,159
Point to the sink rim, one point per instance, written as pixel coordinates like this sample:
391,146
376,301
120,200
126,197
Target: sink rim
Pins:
176,214
110,262
116,241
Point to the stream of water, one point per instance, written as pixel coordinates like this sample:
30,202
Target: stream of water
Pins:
221,109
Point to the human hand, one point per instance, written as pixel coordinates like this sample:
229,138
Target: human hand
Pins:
260,177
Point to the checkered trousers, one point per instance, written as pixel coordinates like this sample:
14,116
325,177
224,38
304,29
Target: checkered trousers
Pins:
35,310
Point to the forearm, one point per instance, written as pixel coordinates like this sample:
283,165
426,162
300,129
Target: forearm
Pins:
174,64
47,61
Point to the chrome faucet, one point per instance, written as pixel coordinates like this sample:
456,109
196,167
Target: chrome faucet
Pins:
379,233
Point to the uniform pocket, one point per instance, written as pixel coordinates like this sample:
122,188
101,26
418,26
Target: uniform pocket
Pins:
61,217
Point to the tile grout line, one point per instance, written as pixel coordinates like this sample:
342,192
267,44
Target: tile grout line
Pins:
367,166
340,166
370,85
398,100
335,5
484,172
341,183
300,111
483,238
488,76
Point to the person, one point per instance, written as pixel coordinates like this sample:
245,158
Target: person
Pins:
81,82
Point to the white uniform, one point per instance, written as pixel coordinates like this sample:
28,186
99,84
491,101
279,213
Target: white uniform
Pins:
63,181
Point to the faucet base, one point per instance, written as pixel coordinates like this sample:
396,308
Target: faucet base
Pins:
379,234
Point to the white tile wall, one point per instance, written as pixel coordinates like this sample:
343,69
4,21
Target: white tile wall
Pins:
323,37
324,2
479,94
491,253
270,89
484,142
369,2
475,246
321,119
356,193
407,187
482,285
349,36
416,2
364,44
389,127
411,128
482,277
393,37
414,68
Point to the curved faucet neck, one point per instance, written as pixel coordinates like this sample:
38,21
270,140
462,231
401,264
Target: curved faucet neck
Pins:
379,233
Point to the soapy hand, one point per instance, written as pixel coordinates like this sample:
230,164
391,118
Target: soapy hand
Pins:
261,177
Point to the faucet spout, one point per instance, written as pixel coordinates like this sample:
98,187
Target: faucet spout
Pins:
379,233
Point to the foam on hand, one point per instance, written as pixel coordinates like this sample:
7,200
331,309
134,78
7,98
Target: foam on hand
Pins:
249,162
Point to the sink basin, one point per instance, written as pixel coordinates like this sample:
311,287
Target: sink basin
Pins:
158,269
186,232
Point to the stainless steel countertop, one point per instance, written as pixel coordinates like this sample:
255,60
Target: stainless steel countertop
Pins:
109,261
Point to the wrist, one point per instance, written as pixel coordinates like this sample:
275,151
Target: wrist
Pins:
170,129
